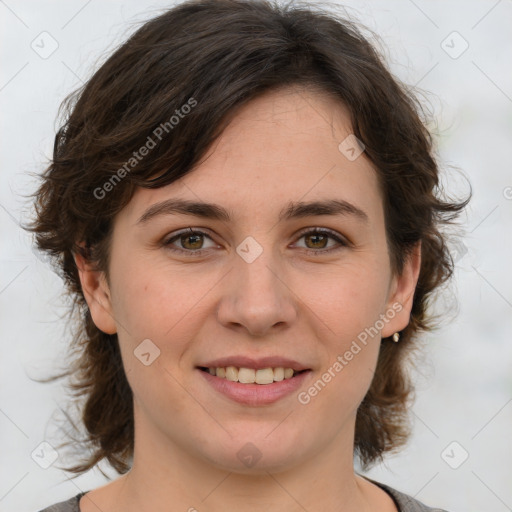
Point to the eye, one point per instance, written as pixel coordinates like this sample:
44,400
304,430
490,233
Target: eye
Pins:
190,240
317,239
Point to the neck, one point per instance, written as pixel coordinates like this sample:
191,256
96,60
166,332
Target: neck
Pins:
173,478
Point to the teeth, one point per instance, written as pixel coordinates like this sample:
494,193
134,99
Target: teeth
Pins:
265,376
251,376
279,374
232,373
247,375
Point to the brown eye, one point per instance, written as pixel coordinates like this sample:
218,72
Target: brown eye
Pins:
190,242
317,240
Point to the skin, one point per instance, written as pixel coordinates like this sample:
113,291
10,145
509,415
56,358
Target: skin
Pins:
293,301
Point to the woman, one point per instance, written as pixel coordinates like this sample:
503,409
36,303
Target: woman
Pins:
243,203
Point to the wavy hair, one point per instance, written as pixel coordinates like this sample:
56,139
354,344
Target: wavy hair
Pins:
223,54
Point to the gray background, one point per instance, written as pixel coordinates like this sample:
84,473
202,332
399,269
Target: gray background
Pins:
464,391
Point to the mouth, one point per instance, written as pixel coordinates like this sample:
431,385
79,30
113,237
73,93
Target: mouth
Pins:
262,376
253,387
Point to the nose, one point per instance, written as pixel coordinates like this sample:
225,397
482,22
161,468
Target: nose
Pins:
256,297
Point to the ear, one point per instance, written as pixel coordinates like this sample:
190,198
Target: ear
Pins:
97,294
401,293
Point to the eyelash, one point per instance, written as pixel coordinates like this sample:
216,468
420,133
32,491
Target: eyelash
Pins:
332,234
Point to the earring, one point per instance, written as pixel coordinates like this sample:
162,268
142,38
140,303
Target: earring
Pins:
396,337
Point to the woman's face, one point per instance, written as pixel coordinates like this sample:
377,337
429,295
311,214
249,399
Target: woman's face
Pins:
264,279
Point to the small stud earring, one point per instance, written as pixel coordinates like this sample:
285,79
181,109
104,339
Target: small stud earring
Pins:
396,337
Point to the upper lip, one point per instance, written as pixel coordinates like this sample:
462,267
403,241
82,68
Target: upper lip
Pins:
248,362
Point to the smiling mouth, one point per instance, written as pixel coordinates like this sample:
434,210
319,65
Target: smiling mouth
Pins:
261,376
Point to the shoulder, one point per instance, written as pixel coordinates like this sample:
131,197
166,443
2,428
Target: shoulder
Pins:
405,502
70,505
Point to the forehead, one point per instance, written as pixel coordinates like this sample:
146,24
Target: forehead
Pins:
282,146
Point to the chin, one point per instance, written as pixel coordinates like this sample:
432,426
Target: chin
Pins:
246,454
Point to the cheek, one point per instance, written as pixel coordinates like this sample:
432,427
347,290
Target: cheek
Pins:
161,306
346,300
150,303
349,305
348,311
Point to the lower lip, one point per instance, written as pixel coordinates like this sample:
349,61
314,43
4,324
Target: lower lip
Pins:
255,394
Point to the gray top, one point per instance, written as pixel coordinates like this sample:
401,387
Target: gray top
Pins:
403,502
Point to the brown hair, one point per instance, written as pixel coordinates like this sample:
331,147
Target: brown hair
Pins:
215,56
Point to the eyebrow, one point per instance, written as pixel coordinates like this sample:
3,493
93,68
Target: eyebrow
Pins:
294,210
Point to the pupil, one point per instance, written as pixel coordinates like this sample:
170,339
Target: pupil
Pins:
317,237
188,237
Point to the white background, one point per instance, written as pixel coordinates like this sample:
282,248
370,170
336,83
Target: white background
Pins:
464,391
